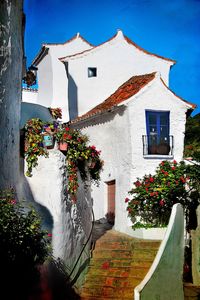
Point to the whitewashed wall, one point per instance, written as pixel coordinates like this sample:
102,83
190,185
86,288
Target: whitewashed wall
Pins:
52,77
116,61
71,222
119,136
29,95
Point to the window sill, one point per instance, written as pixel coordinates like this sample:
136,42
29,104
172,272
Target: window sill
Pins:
158,156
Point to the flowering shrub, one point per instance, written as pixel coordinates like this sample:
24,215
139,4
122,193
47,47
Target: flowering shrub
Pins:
153,196
23,245
20,232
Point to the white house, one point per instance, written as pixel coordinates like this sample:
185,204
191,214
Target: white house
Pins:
96,73
138,126
52,76
76,76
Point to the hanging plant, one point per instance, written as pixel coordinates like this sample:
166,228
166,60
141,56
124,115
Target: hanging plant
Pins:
79,156
56,113
34,144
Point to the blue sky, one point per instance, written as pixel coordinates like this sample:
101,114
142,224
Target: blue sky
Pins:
167,28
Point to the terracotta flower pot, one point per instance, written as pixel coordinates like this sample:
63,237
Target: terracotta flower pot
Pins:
48,129
63,146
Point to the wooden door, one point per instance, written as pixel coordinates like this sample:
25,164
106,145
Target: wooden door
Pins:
111,196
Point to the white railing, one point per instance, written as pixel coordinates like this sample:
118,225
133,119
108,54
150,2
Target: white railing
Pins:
164,279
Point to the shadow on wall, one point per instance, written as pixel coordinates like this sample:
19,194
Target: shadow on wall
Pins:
102,118
72,95
24,193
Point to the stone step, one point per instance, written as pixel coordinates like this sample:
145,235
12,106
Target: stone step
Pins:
136,253
117,262
128,245
106,292
113,281
119,271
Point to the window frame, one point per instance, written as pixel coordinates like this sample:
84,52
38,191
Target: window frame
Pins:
92,72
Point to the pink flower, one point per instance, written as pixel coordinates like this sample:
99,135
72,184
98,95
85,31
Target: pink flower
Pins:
13,201
49,235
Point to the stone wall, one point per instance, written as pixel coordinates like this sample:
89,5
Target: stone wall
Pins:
11,56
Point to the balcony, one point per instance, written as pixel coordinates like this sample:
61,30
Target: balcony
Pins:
158,145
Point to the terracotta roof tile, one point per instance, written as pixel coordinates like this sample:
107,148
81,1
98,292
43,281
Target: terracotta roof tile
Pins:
124,92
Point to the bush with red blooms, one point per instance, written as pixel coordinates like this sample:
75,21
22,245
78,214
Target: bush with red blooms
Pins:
153,196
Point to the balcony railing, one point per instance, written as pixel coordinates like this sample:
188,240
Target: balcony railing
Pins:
158,145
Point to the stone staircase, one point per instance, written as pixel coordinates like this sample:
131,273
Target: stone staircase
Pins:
118,265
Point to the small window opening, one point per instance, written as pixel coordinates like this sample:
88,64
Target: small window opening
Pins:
92,72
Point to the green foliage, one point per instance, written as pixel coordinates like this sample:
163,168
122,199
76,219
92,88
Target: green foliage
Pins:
153,196
23,246
33,144
22,239
192,137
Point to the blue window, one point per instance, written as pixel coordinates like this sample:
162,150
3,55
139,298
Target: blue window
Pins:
157,123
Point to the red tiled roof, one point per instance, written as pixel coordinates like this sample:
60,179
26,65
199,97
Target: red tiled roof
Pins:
124,92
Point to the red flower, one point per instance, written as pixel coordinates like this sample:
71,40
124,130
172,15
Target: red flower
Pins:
162,202
182,179
151,179
175,162
105,265
173,168
147,190
126,200
129,209
67,128
137,183
49,235
152,194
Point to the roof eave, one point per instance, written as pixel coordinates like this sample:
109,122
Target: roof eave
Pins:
42,53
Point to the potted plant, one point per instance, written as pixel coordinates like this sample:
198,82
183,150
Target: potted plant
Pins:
56,113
